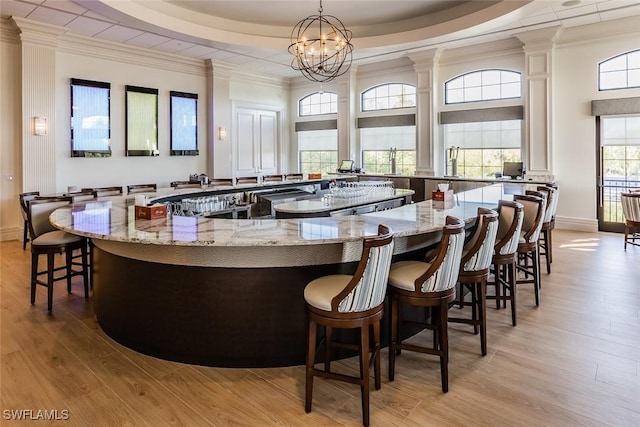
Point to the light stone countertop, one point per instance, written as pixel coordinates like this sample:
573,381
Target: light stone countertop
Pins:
112,219
333,202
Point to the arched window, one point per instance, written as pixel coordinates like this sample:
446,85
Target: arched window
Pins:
620,72
318,103
388,97
483,85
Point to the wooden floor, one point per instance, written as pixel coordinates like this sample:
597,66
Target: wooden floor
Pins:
575,360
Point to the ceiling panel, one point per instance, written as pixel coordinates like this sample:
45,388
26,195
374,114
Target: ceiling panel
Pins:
16,8
118,33
65,5
52,16
148,40
87,26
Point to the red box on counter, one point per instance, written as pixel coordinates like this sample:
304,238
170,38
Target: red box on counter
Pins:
315,176
442,196
151,212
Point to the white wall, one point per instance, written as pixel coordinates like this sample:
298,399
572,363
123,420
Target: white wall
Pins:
119,169
574,133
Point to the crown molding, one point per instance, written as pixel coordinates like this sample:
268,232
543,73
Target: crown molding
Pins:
600,32
482,51
249,77
37,33
8,31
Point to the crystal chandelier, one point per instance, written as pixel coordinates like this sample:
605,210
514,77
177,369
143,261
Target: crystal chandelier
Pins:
321,47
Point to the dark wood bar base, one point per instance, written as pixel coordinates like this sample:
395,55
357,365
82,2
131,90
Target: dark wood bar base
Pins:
224,317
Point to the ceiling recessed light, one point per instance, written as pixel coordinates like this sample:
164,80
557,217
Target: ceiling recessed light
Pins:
570,3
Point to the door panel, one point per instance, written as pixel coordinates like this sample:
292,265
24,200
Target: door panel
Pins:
245,153
268,143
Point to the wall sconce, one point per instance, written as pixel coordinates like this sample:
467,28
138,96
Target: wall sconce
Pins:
40,126
222,133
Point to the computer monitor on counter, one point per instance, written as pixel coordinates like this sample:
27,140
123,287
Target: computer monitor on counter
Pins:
513,169
346,166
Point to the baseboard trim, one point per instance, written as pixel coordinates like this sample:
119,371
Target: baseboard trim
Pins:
577,224
10,233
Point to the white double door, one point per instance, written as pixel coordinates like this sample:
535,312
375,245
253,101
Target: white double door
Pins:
257,142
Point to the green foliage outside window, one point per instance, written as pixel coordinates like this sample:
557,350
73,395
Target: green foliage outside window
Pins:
318,161
484,163
378,162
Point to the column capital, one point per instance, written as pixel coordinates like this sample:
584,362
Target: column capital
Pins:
37,33
424,60
542,39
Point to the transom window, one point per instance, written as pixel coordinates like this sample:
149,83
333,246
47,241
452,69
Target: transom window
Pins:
318,103
483,85
620,72
388,97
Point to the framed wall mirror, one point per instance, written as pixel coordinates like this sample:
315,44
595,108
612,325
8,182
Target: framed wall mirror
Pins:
184,123
141,137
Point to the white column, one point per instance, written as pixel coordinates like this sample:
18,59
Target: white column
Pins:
426,67
347,140
219,152
539,47
38,44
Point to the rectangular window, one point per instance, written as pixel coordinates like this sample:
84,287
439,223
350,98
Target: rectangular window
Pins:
377,144
484,146
141,121
90,118
184,124
318,151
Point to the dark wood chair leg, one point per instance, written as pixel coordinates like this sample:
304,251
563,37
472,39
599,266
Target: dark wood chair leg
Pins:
364,373
85,267
444,346
482,311
50,267
393,328
34,276
311,356
328,336
513,289
376,349
536,274
69,267
25,235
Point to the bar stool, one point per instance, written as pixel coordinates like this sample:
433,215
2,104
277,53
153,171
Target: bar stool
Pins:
533,207
427,284
474,272
185,184
546,234
142,188
246,180
631,211
106,191
293,177
24,199
345,301
49,241
510,217
272,178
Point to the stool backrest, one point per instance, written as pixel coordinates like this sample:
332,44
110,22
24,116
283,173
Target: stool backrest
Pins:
478,249
83,195
24,199
39,211
142,188
631,206
368,287
510,217
552,196
445,261
293,176
534,207
106,191
272,178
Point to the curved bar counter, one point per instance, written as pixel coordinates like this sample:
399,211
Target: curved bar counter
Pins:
229,292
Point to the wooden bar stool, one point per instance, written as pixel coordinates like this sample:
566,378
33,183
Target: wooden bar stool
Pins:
510,217
142,188
345,301
106,191
631,211
528,263
546,234
474,272
49,241
427,284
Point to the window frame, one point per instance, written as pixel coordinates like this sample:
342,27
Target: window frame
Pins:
333,100
626,70
481,86
72,134
373,88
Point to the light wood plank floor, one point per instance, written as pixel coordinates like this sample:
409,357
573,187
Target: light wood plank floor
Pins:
575,360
